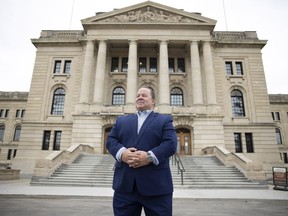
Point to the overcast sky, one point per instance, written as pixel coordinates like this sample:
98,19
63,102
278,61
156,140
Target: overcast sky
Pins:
22,20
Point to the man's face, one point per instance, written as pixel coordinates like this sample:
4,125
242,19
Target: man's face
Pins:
144,100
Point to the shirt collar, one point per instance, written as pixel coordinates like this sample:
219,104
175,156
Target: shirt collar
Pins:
143,113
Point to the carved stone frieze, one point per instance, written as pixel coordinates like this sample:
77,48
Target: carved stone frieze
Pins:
150,15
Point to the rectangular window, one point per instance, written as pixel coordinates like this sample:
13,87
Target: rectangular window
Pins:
171,65
22,113
124,64
142,65
278,136
57,140
67,67
276,116
285,157
181,65
46,140
238,142
18,113
6,113
114,64
229,68
2,130
11,154
153,65
239,68
17,133
249,142
57,67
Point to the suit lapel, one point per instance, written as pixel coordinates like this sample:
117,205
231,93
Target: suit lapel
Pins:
148,120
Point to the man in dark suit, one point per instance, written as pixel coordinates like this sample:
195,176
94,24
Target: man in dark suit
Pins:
142,143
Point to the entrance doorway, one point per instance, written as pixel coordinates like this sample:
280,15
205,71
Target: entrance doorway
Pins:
106,134
184,141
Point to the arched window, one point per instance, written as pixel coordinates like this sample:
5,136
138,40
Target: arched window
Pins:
278,136
58,102
118,97
2,130
237,103
176,97
17,133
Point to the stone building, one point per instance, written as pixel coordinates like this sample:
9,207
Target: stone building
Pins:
211,82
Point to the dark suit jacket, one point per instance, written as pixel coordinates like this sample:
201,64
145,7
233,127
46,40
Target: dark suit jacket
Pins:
156,134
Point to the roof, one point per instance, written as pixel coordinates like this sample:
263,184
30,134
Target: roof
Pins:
278,98
148,12
13,96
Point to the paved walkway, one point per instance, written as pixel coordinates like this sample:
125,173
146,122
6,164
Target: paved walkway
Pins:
18,197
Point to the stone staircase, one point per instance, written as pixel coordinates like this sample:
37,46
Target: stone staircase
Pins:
200,172
208,172
88,170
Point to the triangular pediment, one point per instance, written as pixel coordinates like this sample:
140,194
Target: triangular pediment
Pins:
148,12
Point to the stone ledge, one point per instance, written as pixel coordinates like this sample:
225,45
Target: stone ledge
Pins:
9,174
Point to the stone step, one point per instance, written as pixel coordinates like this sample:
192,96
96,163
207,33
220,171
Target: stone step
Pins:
200,172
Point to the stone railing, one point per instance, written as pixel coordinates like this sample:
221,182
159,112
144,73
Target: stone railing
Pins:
222,35
45,34
251,169
45,167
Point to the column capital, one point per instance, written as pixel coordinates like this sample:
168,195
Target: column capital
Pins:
163,41
133,40
90,40
101,41
206,41
194,41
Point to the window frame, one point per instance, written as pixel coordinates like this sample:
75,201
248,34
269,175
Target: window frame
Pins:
181,65
57,66
57,140
17,133
115,64
58,102
239,71
2,132
229,71
238,143
278,136
276,116
249,142
142,65
46,140
237,103
153,65
67,69
124,64
171,65
118,98
175,98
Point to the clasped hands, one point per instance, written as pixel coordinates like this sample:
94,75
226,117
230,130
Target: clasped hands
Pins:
134,158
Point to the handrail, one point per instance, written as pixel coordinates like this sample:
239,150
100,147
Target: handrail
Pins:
180,167
45,167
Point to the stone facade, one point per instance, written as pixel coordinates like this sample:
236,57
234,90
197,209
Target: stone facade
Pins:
213,84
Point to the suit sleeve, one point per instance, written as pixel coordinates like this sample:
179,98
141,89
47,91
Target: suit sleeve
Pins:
112,144
168,143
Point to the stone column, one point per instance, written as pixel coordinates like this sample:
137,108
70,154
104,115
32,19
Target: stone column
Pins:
196,74
87,70
100,73
209,73
163,75
132,74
